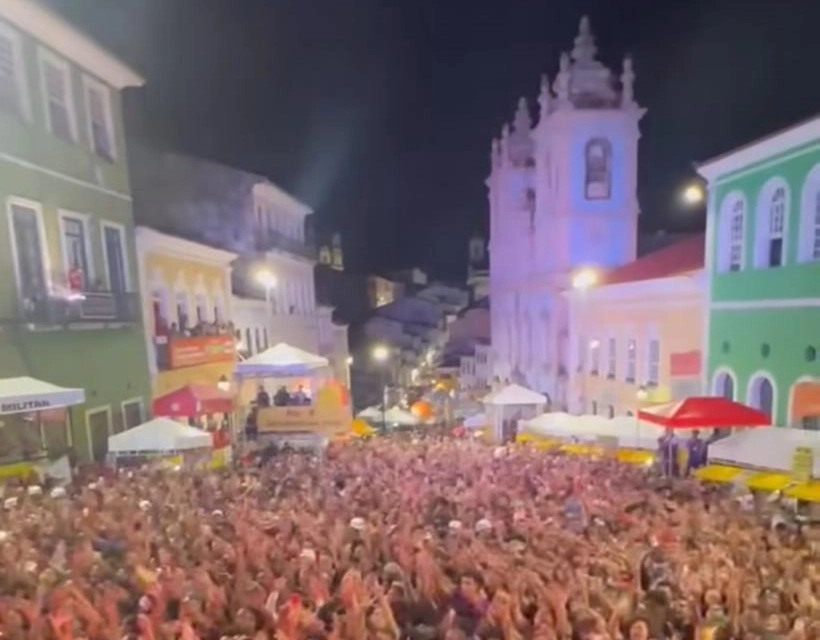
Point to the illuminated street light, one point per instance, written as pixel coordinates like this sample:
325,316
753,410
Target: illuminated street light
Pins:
349,360
380,353
641,394
266,278
584,279
693,194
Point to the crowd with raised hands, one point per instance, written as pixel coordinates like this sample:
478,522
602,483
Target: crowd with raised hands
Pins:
440,539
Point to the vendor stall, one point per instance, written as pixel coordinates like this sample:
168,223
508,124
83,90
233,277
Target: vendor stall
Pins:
162,438
510,405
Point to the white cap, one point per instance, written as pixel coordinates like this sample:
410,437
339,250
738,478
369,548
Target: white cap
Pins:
35,490
217,513
4,535
29,566
308,554
10,503
57,492
144,505
358,524
454,525
483,525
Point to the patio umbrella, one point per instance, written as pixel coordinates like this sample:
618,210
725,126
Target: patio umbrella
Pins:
704,413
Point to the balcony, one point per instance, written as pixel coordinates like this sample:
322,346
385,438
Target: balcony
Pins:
269,240
178,352
81,308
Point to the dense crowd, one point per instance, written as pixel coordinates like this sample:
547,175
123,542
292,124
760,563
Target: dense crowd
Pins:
398,539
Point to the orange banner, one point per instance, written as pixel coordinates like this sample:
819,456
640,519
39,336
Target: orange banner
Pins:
190,352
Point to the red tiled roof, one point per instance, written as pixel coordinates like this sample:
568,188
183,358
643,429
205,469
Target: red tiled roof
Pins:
677,259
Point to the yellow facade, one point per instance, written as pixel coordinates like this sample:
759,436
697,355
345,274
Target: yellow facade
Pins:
185,283
668,312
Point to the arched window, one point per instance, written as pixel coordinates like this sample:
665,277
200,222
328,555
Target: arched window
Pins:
724,386
761,394
809,250
732,231
777,216
598,169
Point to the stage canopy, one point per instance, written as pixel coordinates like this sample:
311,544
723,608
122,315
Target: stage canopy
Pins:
193,400
704,413
371,413
281,360
158,436
514,394
396,415
24,394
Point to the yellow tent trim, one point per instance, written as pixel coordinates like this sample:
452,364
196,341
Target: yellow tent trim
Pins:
635,456
808,492
769,481
718,473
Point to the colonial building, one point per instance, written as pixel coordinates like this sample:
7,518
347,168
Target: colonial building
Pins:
763,266
186,293
636,332
69,299
273,286
478,268
563,196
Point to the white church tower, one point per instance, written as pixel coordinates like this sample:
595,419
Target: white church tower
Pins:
563,196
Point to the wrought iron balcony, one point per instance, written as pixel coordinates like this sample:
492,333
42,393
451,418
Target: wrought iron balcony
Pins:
81,307
270,240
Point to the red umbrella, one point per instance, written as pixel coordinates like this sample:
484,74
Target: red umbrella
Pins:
193,400
704,413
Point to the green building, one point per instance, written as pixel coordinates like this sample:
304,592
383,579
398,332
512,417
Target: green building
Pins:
69,307
763,262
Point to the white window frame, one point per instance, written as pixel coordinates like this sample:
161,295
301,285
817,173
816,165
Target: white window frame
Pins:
90,84
92,412
651,363
809,223
126,263
595,357
631,361
85,218
47,57
139,400
20,76
611,356
179,295
37,208
725,218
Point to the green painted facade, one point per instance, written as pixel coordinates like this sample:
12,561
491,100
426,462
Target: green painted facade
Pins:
765,321
97,344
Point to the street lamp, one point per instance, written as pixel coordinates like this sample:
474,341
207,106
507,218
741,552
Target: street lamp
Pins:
693,194
349,360
380,355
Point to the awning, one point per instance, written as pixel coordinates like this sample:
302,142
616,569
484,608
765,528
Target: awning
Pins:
281,360
769,481
193,400
159,436
718,473
24,394
515,394
704,413
809,492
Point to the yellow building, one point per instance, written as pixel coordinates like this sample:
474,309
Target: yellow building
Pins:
636,332
186,294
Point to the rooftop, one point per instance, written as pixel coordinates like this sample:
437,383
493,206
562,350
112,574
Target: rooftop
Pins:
677,259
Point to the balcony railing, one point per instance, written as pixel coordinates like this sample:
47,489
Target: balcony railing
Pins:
177,352
274,240
81,307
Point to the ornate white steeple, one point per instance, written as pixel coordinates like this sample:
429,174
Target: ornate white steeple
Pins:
591,83
504,144
545,98
520,142
494,153
562,81
522,124
585,49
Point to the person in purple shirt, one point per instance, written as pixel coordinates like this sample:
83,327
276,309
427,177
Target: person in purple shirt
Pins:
697,452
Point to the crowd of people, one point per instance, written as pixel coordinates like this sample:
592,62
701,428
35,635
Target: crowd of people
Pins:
398,538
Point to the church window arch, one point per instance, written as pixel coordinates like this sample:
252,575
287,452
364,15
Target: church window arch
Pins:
598,169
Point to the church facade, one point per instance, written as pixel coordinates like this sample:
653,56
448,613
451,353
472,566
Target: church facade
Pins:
562,198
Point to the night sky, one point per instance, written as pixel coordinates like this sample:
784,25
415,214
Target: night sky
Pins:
379,113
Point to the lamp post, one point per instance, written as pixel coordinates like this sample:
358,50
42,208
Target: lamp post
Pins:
693,194
380,355
582,281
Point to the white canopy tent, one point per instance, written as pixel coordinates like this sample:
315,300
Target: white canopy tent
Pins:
636,434
400,417
371,413
630,433
511,402
765,448
158,436
24,394
281,361
557,424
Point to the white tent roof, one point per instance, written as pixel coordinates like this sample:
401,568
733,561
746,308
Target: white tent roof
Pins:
630,433
765,448
281,360
371,413
160,435
395,415
514,394
20,395
477,421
